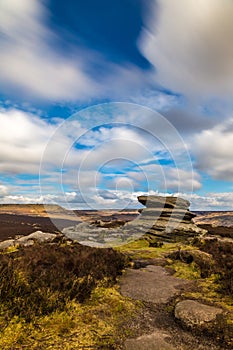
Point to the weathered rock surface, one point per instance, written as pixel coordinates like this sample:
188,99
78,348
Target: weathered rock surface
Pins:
6,244
164,219
158,340
96,236
199,257
37,236
167,219
163,202
193,314
152,284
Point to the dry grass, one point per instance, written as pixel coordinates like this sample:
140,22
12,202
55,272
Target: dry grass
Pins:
222,253
37,280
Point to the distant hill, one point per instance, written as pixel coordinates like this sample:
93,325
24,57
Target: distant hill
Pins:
214,218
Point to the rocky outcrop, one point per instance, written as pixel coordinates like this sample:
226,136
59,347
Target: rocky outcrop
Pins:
37,236
204,260
166,218
195,315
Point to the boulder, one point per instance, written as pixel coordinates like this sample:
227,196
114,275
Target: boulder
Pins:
166,218
195,315
194,255
37,236
204,260
166,212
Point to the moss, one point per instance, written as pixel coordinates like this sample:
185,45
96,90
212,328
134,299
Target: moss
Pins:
183,270
62,297
100,322
140,249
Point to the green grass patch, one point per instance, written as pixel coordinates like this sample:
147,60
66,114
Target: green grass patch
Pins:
37,280
57,296
185,271
140,249
101,323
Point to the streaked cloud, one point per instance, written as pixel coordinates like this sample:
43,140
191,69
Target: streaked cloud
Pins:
29,64
213,151
190,45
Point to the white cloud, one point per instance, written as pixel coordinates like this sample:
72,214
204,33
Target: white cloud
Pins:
123,199
190,44
32,67
110,151
210,201
22,140
179,178
3,191
156,100
213,151
106,134
28,62
66,169
165,177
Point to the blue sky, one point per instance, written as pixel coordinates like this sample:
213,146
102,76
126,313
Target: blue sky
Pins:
101,101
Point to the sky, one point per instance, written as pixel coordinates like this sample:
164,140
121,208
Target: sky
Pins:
102,101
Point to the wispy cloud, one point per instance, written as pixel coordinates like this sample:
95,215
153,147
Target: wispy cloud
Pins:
32,67
190,45
22,140
213,151
29,64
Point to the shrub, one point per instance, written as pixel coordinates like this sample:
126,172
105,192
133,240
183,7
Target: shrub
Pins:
222,252
38,279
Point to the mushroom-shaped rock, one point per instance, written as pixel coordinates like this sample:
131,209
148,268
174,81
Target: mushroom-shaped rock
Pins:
168,219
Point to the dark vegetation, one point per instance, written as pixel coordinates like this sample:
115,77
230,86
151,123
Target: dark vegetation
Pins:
222,231
222,252
218,260
42,279
39,279
13,225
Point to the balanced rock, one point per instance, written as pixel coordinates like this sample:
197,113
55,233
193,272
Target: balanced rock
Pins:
166,218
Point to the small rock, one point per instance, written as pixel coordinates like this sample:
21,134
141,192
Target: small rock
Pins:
154,341
194,314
